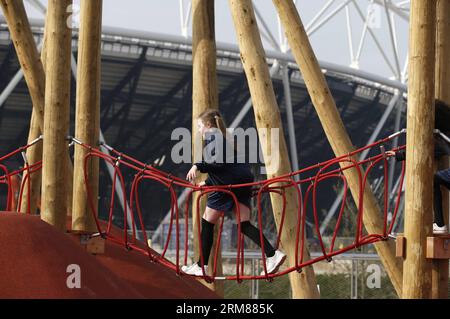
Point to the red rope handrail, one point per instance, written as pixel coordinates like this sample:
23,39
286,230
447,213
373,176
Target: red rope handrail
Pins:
319,173
325,171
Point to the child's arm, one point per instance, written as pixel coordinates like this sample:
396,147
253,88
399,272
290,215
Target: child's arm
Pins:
192,174
205,167
399,156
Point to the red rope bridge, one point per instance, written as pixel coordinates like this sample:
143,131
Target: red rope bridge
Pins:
318,174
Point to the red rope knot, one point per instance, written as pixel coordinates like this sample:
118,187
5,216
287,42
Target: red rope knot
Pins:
142,171
171,180
118,159
267,277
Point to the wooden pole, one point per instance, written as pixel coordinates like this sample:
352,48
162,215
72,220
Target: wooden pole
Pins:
26,50
442,92
87,121
204,95
32,67
34,73
334,129
56,119
34,154
419,149
267,116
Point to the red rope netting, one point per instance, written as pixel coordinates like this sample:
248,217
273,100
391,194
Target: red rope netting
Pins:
319,173
278,185
24,173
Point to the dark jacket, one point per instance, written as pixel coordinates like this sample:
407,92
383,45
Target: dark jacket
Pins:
222,167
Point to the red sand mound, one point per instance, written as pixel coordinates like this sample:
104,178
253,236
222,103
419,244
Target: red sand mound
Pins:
34,259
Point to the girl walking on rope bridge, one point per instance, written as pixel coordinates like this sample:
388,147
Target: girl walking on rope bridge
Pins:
223,171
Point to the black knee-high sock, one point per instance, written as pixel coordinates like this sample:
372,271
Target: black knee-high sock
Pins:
438,214
207,235
253,233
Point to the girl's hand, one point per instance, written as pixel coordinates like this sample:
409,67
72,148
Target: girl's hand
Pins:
202,183
192,174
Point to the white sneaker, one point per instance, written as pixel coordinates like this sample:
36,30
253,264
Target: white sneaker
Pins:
274,262
439,230
195,270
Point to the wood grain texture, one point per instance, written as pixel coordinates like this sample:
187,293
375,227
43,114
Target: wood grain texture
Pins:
419,149
56,118
87,118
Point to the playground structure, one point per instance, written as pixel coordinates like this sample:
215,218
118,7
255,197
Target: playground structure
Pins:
287,210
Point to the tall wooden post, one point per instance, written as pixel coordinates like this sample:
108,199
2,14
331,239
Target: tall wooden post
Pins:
440,266
87,122
204,95
32,67
34,154
419,149
267,116
34,73
56,118
334,129
26,50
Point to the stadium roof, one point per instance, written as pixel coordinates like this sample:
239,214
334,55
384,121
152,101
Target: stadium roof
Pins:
146,92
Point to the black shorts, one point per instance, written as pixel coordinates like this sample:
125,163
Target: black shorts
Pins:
224,202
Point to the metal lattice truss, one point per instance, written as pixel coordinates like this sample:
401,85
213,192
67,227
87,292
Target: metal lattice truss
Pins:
371,24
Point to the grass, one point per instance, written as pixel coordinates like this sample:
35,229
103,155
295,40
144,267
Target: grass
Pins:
333,286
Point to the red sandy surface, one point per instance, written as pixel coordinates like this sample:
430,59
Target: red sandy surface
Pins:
34,257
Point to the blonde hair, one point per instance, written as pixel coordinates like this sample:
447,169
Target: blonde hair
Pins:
215,119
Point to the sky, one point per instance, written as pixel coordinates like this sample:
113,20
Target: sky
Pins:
331,42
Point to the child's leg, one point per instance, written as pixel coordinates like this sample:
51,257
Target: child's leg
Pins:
438,213
209,220
252,232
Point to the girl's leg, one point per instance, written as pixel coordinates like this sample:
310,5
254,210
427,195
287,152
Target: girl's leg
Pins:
251,231
209,220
